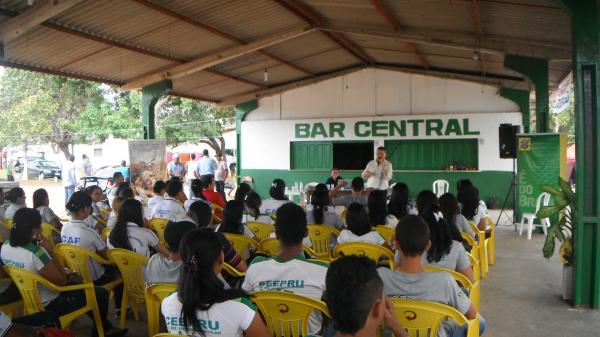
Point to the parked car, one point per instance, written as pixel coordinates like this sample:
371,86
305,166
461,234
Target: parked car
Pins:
43,168
101,177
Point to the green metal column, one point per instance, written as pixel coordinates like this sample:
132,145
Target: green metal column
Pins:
585,23
521,98
241,110
536,70
150,95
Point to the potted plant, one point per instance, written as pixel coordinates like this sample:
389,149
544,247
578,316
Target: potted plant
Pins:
561,230
493,202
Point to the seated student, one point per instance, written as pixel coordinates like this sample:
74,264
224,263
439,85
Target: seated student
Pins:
129,232
242,191
356,300
201,214
378,209
399,205
232,220
335,180
482,204
41,203
253,203
16,197
308,275
117,180
278,198
208,182
159,189
451,212
8,290
21,252
166,269
359,195
359,227
208,310
171,208
320,212
78,233
196,186
95,192
114,214
411,281
470,206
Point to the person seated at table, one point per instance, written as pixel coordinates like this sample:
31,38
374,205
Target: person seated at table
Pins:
359,227
41,203
196,187
470,205
457,222
410,280
378,209
320,212
20,251
202,306
356,300
278,198
129,232
171,208
159,189
358,194
335,181
267,273
399,205
232,220
166,269
253,203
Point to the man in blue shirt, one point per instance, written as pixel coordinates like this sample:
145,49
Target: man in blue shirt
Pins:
206,165
124,170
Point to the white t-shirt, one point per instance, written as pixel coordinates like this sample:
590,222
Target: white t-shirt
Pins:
270,206
190,201
230,318
90,222
153,201
192,166
170,209
78,233
221,170
31,258
382,174
47,214
69,176
261,218
112,219
11,210
480,214
457,259
306,241
140,239
330,217
371,237
298,275
391,221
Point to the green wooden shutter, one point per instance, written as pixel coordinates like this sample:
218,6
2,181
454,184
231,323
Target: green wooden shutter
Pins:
432,154
311,155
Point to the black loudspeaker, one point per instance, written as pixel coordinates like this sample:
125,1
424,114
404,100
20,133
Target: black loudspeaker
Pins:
508,140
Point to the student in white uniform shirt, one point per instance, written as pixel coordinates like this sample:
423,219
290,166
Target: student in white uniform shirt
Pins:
378,171
202,306
253,203
197,187
171,208
159,189
359,227
399,205
129,232
20,251
99,212
16,197
166,269
232,220
113,191
290,271
278,198
116,207
76,232
41,203
320,211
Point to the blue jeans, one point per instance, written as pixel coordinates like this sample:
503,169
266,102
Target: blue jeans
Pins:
69,190
461,331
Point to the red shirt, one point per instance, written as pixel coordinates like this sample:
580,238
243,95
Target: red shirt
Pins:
215,198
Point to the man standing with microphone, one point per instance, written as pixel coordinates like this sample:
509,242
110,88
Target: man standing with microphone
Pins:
378,171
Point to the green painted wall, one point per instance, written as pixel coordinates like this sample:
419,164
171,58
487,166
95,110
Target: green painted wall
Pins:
490,183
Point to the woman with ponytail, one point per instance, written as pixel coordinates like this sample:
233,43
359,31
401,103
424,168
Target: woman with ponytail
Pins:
253,203
202,306
320,212
278,198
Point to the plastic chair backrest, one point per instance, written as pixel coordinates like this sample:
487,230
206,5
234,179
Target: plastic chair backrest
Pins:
542,200
440,187
8,223
286,314
422,318
158,226
130,265
48,232
387,233
261,230
232,271
154,296
217,209
78,258
320,237
468,238
242,244
105,233
370,250
476,267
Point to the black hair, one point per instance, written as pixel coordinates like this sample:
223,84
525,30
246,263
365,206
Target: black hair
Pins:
207,179
242,191
90,189
440,236
412,234
15,193
116,175
174,187
205,152
159,186
122,186
358,184
377,207
290,224
201,213
381,148
467,196
253,203
39,196
174,231
131,211
232,217
199,288
197,186
357,219
78,201
319,200
277,190
193,156
127,193
353,287
25,221
123,163
449,209
427,201
398,205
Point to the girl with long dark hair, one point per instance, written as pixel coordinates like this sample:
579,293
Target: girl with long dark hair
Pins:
377,208
320,212
41,203
399,205
232,220
278,198
359,227
451,212
253,203
470,206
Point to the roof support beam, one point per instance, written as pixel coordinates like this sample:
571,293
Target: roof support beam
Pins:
392,22
478,33
202,63
218,32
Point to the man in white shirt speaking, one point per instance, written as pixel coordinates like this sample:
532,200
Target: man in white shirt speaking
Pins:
378,171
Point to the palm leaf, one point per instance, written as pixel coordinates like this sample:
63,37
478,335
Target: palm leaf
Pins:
551,189
548,211
549,245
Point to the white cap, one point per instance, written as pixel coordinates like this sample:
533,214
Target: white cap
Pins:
175,155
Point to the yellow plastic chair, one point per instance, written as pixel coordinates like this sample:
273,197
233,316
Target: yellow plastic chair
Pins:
242,244
215,208
261,230
476,267
270,247
483,260
320,238
130,265
7,223
286,314
422,318
232,271
105,233
473,288
387,233
154,296
490,242
49,232
78,259
157,225
370,250
27,283
11,309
